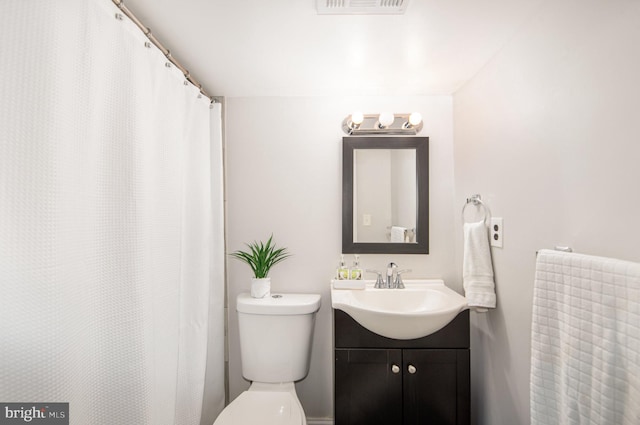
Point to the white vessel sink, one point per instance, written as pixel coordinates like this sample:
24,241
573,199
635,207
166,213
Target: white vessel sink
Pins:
422,308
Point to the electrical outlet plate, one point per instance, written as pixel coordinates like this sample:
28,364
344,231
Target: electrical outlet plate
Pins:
496,232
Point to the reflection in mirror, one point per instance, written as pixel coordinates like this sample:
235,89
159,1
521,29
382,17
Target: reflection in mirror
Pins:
385,195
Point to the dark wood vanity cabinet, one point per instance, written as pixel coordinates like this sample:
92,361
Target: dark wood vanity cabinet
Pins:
366,391
401,382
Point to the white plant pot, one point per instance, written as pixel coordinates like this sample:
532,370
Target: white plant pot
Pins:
260,288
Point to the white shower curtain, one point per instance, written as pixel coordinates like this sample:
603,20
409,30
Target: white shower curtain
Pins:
110,244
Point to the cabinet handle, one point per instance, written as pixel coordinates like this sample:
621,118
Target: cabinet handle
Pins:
412,369
395,368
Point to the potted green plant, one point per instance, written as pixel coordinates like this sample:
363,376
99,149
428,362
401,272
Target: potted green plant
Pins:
261,257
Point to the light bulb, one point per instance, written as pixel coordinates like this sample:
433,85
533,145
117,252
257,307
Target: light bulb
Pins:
386,119
415,118
357,118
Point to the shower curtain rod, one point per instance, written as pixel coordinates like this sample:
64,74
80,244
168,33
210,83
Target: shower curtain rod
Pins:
164,50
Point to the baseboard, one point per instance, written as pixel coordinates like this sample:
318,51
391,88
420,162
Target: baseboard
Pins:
319,421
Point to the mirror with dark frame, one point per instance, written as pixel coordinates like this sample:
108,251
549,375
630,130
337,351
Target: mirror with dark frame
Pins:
385,195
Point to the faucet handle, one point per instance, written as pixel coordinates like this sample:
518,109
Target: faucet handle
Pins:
379,281
399,283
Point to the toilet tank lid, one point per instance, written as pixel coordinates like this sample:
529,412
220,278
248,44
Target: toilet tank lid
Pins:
279,304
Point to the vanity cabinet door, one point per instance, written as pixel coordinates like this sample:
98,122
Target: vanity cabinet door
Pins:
368,388
436,387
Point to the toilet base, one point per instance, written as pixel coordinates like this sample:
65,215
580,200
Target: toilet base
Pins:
265,404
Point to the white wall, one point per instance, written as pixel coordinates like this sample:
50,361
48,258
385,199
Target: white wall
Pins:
548,134
284,159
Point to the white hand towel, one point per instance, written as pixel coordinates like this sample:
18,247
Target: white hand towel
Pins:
585,340
398,233
477,269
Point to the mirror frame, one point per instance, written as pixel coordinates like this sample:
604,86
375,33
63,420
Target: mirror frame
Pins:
421,145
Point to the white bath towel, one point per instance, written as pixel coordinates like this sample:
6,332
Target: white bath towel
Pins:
477,269
585,340
398,233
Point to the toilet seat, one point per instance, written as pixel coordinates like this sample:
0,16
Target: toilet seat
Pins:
264,408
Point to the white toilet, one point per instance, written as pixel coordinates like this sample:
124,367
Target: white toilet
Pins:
275,346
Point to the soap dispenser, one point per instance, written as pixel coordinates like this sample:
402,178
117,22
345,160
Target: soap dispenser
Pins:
342,272
355,273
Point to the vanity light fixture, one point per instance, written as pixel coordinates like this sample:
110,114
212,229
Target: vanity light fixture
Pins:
355,120
414,119
359,124
385,119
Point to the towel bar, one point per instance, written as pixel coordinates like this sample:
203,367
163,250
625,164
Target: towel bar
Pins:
476,200
560,248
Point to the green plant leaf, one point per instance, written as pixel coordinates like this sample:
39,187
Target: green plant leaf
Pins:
261,257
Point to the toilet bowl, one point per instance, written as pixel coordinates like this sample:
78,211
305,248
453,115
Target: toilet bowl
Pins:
264,404
275,347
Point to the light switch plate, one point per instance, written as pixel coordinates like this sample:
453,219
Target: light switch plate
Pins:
495,232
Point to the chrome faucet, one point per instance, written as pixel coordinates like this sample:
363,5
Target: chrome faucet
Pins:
394,277
399,284
391,274
379,282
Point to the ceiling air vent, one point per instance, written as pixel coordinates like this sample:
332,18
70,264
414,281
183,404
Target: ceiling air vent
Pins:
361,7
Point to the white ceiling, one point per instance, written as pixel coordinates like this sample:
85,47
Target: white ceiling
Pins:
239,48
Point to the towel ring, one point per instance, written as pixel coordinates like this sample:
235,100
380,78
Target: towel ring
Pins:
477,201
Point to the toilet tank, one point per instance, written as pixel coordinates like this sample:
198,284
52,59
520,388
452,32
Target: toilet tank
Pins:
275,336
